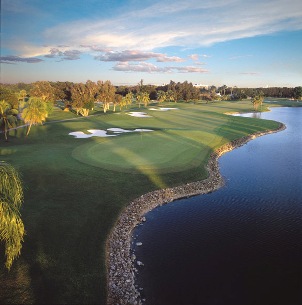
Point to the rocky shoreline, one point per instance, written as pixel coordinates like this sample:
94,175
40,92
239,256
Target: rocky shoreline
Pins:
120,263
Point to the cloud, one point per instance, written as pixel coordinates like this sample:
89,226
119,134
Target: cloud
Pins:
189,23
133,55
194,57
189,69
95,48
63,55
250,73
151,68
11,59
141,67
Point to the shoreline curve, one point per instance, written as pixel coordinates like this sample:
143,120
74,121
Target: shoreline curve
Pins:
120,264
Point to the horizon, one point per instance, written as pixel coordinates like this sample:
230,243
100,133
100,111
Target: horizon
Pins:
251,44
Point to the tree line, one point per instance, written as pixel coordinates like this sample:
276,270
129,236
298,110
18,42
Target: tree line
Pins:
33,102
181,91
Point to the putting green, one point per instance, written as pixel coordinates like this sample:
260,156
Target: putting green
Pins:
160,151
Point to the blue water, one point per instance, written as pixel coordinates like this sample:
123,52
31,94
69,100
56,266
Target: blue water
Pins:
238,245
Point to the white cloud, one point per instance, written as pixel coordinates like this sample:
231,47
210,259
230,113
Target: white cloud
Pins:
141,67
189,69
135,36
250,73
134,55
194,57
182,23
151,68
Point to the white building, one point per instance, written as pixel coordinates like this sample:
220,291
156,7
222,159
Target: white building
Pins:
201,86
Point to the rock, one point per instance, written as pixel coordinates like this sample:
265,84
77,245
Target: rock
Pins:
139,243
139,263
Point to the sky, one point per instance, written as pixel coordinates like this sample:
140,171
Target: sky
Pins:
243,43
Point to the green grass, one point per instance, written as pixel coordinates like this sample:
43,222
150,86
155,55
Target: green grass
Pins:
76,188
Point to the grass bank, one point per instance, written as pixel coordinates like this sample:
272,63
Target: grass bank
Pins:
76,188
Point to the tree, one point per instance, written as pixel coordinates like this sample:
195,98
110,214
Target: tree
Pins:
143,97
62,91
129,98
21,99
78,96
8,118
161,96
257,100
298,93
141,86
171,96
11,199
35,112
146,99
105,93
22,95
83,97
117,101
43,90
92,90
123,102
9,96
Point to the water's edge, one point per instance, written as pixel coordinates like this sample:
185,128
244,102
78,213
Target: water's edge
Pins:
120,264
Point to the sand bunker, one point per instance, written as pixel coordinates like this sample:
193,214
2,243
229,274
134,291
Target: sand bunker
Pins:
92,133
103,133
139,114
119,130
163,109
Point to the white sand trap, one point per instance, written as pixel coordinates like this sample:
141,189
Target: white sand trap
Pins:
79,134
163,109
103,133
119,130
93,133
139,114
143,130
99,133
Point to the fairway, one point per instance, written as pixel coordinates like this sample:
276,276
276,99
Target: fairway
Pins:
75,188
159,151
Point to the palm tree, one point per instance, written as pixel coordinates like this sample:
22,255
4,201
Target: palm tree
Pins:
146,98
35,112
7,118
11,199
256,101
143,97
22,95
129,98
161,96
21,100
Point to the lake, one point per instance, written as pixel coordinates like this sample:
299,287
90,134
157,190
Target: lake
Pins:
238,245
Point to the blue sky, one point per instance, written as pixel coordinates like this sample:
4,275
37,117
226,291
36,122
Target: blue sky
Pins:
240,43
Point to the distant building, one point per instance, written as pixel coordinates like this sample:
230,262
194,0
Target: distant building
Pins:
201,86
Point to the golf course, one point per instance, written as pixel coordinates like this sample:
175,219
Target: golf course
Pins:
79,173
